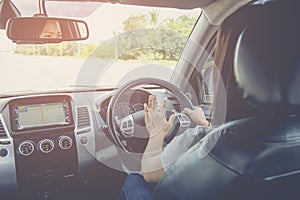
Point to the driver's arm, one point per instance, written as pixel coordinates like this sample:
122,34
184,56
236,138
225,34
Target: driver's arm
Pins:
157,127
152,167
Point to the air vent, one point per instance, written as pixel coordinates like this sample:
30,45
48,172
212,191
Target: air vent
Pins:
2,131
83,119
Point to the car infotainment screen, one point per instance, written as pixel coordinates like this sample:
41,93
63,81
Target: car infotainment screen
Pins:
41,115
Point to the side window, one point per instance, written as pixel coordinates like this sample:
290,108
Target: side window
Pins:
202,82
207,81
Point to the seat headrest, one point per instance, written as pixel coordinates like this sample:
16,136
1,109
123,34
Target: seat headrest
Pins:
267,55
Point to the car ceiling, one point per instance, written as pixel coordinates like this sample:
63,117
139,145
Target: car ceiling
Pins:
186,4
58,8
215,10
83,8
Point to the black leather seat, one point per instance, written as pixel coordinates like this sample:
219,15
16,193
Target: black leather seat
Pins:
256,157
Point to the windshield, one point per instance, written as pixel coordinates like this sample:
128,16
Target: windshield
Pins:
125,42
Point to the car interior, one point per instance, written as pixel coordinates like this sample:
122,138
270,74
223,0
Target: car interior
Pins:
72,120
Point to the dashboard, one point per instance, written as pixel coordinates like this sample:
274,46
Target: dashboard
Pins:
49,141
42,143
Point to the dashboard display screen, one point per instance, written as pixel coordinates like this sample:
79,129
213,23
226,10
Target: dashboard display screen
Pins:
36,115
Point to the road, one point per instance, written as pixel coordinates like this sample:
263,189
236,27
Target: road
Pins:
25,73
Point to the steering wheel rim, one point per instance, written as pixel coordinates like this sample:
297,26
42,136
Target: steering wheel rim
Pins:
113,127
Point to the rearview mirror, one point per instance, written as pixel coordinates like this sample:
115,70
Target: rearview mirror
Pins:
35,30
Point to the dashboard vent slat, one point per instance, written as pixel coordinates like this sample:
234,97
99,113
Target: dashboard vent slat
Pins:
2,131
83,118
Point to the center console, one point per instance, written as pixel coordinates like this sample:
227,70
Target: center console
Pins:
42,129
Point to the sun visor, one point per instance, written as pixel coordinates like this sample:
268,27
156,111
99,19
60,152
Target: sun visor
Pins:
7,11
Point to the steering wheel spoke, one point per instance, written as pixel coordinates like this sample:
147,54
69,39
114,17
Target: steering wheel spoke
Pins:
183,120
127,126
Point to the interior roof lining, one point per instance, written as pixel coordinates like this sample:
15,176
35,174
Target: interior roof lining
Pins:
187,4
215,10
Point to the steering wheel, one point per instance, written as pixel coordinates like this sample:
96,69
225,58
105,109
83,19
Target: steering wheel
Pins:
132,126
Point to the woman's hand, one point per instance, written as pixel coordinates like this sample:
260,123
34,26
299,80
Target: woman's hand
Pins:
155,119
158,127
197,115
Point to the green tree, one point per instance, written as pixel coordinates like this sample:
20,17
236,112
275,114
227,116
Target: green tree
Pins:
105,51
153,19
145,36
86,49
135,22
183,24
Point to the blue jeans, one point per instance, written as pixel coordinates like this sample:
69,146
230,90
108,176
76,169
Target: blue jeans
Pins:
136,188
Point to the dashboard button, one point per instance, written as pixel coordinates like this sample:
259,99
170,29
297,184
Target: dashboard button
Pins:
26,148
46,146
83,140
65,142
3,152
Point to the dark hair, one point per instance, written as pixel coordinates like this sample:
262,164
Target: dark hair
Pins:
227,37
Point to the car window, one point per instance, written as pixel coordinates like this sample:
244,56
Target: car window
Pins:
207,74
122,39
202,83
